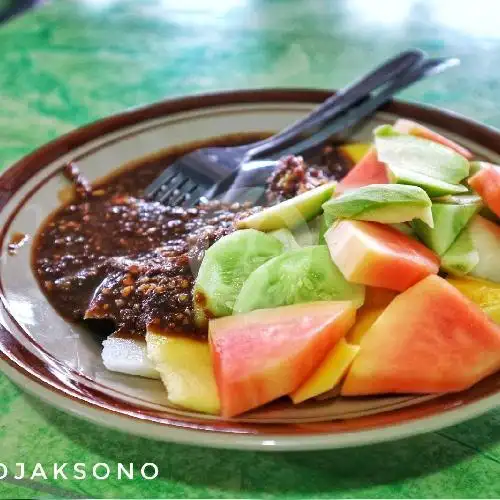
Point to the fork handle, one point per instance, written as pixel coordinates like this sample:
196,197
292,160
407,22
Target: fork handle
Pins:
357,113
338,103
251,179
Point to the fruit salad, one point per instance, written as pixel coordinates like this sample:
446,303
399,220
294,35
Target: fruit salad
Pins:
384,281
397,290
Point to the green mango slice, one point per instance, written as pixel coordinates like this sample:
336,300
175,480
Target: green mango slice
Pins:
290,213
286,237
386,203
433,187
416,161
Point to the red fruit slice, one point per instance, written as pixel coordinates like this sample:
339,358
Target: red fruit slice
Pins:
378,297
413,128
429,339
378,255
487,184
268,353
367,171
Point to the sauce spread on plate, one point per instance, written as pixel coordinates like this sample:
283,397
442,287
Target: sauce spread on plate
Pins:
110,254
17,240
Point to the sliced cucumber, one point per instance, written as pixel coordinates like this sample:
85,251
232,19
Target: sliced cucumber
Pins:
305,275
225,268
286,237
462,256
449,221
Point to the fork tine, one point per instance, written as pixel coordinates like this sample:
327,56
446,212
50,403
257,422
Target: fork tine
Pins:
166,185
162,180
173,186
197,176
193,198
187,189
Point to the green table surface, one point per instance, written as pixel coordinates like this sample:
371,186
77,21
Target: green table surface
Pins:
73,61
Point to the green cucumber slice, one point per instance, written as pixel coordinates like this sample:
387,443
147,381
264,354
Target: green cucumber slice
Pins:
462,256
449,221
225,268
298,276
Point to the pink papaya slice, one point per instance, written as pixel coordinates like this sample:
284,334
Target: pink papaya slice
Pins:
268,353
413,128
430,339
378,255
486,183
367,171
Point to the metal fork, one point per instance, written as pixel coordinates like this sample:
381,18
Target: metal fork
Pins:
208,172
250,182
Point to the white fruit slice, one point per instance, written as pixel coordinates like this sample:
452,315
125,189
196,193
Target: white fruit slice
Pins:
128,355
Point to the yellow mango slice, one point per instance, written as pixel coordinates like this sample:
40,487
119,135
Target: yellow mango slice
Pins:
355,151
186,369
329,373
376,300
485,294
364,320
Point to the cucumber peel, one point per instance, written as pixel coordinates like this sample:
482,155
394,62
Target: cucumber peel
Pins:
449,221
462,256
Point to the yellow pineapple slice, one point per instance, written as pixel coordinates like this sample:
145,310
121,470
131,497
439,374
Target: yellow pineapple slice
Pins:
186,369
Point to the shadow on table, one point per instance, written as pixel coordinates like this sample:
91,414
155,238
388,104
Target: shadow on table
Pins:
12,8
306,473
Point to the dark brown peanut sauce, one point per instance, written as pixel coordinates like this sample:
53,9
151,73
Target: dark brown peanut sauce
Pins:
109,254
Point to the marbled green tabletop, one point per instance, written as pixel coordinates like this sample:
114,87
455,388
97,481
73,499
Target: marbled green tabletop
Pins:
73,61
